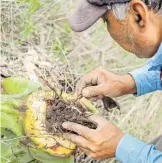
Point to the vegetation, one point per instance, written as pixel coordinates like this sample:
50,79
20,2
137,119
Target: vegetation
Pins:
36,41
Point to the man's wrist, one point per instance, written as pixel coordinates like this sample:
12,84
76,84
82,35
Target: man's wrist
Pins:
128,84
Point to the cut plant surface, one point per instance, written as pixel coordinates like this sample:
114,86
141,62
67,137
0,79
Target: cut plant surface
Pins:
36,127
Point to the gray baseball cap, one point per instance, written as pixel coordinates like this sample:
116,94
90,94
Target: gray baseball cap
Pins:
86,15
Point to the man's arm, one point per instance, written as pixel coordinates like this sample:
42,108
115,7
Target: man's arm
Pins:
108,141
132,150
100,82
147,79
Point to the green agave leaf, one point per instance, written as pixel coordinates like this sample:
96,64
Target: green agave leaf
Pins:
5,98
11,128
19,86
15,152
46,158
12,150
16,88
11,122
9,109
16,103
11,98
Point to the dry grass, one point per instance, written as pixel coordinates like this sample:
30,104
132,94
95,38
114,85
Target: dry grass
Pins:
36,39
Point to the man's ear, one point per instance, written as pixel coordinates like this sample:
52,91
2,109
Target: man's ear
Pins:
140,12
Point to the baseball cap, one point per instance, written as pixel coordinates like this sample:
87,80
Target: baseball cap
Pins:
89,11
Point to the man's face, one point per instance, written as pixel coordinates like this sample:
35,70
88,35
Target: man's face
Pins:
141,37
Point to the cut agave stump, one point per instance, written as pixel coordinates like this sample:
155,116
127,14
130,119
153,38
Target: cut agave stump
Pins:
35,123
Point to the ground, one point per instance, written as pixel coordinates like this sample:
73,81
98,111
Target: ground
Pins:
36,41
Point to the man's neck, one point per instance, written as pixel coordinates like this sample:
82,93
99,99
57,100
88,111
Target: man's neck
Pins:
160,20
158,25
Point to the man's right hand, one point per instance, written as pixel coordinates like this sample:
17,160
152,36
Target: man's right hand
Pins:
99,83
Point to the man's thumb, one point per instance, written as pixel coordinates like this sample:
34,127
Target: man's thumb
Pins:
92,91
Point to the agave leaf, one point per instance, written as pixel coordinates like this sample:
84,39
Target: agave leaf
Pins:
13,151
19,86
11,132
6,98
16,88
11,122
9,109
46,158
16,103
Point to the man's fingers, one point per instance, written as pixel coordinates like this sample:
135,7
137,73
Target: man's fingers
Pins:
84,150
78,140
94,99
87,80
93,91
99,120
94,155
80,86
81,130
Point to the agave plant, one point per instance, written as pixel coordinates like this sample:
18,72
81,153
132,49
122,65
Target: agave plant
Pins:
23,116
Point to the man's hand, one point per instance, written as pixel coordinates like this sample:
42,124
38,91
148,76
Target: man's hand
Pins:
99,83
100,143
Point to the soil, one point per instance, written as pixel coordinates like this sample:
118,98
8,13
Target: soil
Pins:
59,111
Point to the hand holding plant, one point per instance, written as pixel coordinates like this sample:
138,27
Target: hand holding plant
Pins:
100,143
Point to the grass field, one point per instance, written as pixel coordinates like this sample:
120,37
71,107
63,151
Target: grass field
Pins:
36,39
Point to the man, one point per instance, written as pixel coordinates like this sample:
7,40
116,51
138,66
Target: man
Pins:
137,26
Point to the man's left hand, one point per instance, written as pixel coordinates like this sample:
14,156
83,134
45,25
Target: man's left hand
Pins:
100,143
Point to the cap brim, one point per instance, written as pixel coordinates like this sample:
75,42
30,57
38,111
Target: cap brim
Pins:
86,15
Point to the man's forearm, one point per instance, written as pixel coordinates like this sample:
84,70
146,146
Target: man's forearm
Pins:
147,79
132,150
129,85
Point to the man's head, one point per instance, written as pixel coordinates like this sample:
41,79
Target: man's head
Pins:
135,24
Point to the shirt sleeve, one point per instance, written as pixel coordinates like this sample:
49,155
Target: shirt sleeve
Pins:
132,150
147,79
